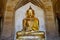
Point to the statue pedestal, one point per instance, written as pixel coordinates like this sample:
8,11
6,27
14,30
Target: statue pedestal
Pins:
30,35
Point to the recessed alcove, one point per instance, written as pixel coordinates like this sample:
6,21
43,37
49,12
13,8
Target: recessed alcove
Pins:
20,14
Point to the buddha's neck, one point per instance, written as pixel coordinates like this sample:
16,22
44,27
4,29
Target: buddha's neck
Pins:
30,16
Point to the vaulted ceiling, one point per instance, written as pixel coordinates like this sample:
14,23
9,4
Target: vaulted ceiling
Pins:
35,2
56,4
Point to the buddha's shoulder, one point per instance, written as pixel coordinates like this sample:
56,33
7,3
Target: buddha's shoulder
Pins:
36,18
25,19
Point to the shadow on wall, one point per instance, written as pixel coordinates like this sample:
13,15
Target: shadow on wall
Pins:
58,19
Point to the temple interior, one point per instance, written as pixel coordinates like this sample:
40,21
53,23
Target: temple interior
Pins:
42,18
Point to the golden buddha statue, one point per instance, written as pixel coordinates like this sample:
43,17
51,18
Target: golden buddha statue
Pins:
30,23
30,29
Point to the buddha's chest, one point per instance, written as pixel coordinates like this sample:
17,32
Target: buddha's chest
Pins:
31,22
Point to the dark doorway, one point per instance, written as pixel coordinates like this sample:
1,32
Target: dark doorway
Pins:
0,24
58,18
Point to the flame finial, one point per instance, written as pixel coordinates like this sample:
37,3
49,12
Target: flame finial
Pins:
30,7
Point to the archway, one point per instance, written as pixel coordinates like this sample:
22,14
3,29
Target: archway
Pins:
20,14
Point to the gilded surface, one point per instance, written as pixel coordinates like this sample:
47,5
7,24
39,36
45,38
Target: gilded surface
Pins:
30,23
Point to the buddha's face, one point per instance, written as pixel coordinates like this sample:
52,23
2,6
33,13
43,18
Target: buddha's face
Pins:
30,13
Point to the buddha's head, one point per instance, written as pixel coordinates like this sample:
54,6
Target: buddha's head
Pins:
30,12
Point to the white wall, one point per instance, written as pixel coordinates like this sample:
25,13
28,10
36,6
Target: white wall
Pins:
20,15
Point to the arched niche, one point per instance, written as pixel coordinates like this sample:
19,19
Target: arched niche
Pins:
21,12
12,5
